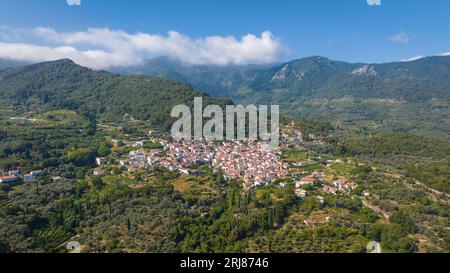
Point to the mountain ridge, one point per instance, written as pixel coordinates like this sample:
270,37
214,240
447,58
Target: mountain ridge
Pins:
224,79
400,96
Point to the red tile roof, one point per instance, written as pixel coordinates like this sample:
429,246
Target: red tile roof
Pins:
308,179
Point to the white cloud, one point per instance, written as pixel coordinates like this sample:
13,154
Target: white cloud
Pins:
374,2
91,58
102,48
415,58
401,38
74,2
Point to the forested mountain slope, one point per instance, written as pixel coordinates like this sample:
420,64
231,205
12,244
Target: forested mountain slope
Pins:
403,96
64,85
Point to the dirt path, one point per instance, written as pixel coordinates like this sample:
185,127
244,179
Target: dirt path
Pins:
432,193
431,189
376,209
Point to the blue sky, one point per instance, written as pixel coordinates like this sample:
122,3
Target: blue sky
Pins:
349,30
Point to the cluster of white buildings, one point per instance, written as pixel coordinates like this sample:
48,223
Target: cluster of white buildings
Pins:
330,188
339,186
141,159
13,176
344,186
181,155
249,161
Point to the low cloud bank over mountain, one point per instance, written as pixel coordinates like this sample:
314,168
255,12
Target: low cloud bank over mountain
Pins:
101,48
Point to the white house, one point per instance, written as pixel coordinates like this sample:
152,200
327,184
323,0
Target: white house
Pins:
138,144
28,178
330,190
99,172
14,173
122,162
37,173
305,181
185,171
8,179
100,161
339,184
301,193
350,186
321,200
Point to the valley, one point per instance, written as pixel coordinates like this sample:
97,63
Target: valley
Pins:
329,201
111,177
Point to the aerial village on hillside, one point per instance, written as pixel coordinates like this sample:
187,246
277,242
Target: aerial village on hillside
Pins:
246,161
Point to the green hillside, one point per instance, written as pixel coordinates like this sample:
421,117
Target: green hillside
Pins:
65,85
